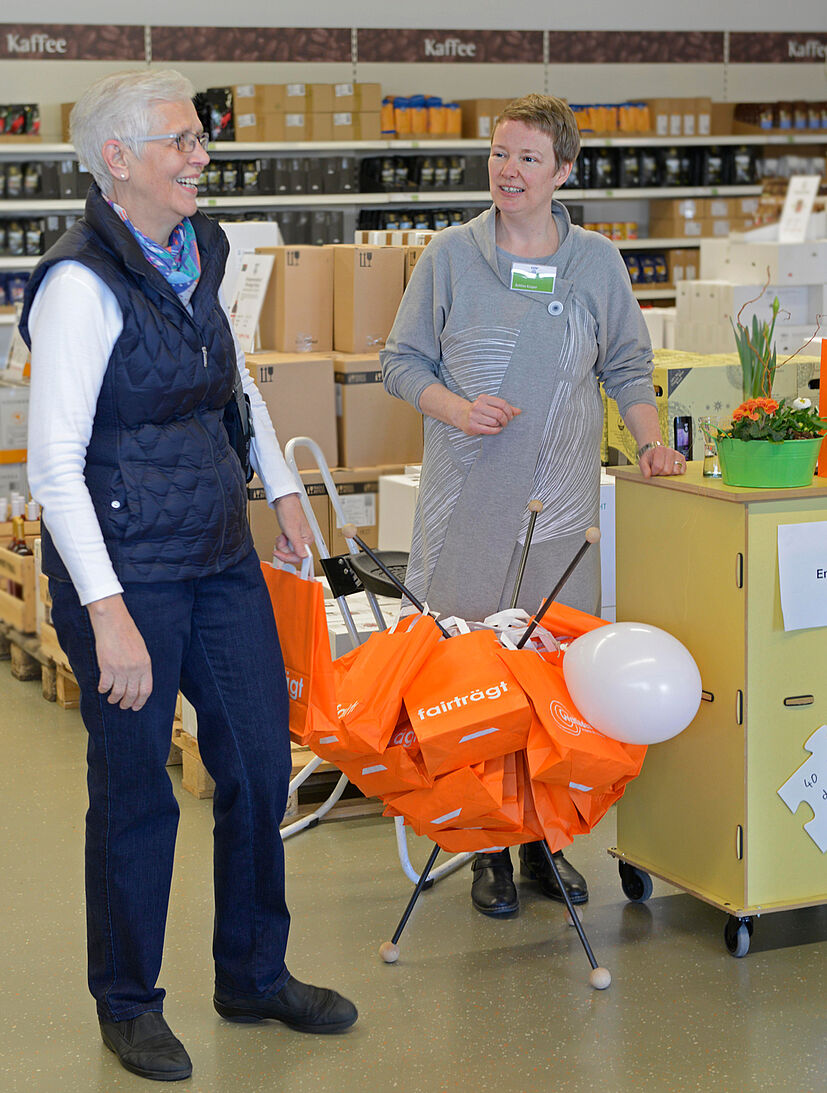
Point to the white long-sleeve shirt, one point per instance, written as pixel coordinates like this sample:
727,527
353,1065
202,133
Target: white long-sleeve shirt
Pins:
74,322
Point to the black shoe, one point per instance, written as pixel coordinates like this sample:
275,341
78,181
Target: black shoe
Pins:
146,1046
493,891
533,864
302,1007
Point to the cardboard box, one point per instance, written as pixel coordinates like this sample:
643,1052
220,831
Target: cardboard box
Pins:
248,127
319,126
693,385
368,283
298,391
368,125
344,97
297,314
270,126
783,263
373,426
14,422
682,264
659,110
703,117
282,98
319,98
676,227
343,125
479,116
411,257
245,99
368,97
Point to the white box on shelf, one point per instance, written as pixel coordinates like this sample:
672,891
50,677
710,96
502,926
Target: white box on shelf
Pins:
714,263
653,317
397,501
669,319
780,263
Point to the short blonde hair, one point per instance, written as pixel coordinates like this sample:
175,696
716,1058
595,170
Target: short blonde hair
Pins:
121,107
549,115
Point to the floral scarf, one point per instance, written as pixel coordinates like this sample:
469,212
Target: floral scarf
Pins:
179,261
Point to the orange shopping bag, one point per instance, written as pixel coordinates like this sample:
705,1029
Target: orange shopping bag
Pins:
465,705
397,769
369,692
563,748
457,797
558,818
298,605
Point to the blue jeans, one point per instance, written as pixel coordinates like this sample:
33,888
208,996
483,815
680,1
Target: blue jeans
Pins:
215,639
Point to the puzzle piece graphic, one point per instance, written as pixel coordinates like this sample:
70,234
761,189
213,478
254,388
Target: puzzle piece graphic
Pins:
809,785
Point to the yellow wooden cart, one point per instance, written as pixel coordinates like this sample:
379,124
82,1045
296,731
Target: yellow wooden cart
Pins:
700,560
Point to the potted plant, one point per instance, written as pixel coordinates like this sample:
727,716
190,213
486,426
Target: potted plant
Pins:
768,443
771,443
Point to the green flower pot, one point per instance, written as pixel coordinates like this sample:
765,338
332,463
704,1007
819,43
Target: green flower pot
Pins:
765,465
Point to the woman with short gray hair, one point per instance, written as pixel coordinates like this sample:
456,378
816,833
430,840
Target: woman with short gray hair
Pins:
154,582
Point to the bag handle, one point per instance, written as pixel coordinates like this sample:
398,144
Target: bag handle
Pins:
306,570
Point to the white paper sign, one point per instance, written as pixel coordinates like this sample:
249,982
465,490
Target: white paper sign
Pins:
798,205
250,287
802,572
808,785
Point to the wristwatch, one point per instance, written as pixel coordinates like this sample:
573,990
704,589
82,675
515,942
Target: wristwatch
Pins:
648,447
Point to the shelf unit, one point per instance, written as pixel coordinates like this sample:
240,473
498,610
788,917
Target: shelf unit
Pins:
350,203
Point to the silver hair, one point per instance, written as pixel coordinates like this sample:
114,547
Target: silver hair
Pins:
121,107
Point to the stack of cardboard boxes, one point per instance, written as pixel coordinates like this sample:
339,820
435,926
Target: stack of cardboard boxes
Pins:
701,217
326,315
307,111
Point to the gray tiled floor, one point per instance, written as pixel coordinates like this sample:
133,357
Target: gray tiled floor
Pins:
472,1005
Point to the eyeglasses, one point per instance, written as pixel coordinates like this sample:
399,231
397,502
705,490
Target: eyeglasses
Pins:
184,142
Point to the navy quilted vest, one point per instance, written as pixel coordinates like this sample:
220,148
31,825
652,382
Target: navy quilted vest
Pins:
168,490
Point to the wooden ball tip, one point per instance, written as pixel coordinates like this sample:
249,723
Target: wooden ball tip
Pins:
349,531
600,978
389,952
592,535
535,506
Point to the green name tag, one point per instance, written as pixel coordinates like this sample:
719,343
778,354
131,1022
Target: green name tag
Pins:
526,277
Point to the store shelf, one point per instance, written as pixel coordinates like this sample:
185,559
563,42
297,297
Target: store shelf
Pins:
655,244
654,293
18,263
39,150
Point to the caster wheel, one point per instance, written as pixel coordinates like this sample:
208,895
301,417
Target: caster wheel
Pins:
737,935
636,885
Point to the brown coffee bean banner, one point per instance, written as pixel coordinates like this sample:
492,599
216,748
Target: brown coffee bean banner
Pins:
451,46
302,44
635,47
79,42
793,47
90,42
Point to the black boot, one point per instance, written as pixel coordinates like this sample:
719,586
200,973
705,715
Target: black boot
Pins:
533,864
146,1046
493,891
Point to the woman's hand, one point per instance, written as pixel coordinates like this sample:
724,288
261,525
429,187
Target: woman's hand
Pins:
295,543
125,667
661,460
487,415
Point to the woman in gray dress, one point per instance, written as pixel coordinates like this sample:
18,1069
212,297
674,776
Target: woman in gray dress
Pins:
508,326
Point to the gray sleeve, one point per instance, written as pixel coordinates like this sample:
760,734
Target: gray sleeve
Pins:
411,358
624,363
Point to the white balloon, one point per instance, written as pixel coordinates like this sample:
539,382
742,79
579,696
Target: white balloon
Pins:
633,682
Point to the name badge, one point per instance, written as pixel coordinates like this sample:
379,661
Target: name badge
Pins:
526,277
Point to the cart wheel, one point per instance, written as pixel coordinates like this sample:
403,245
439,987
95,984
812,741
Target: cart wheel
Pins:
636,885
737,935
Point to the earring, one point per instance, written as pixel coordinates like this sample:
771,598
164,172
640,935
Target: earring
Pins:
123,176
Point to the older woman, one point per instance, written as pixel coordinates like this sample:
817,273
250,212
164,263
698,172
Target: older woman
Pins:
154,581
506,328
